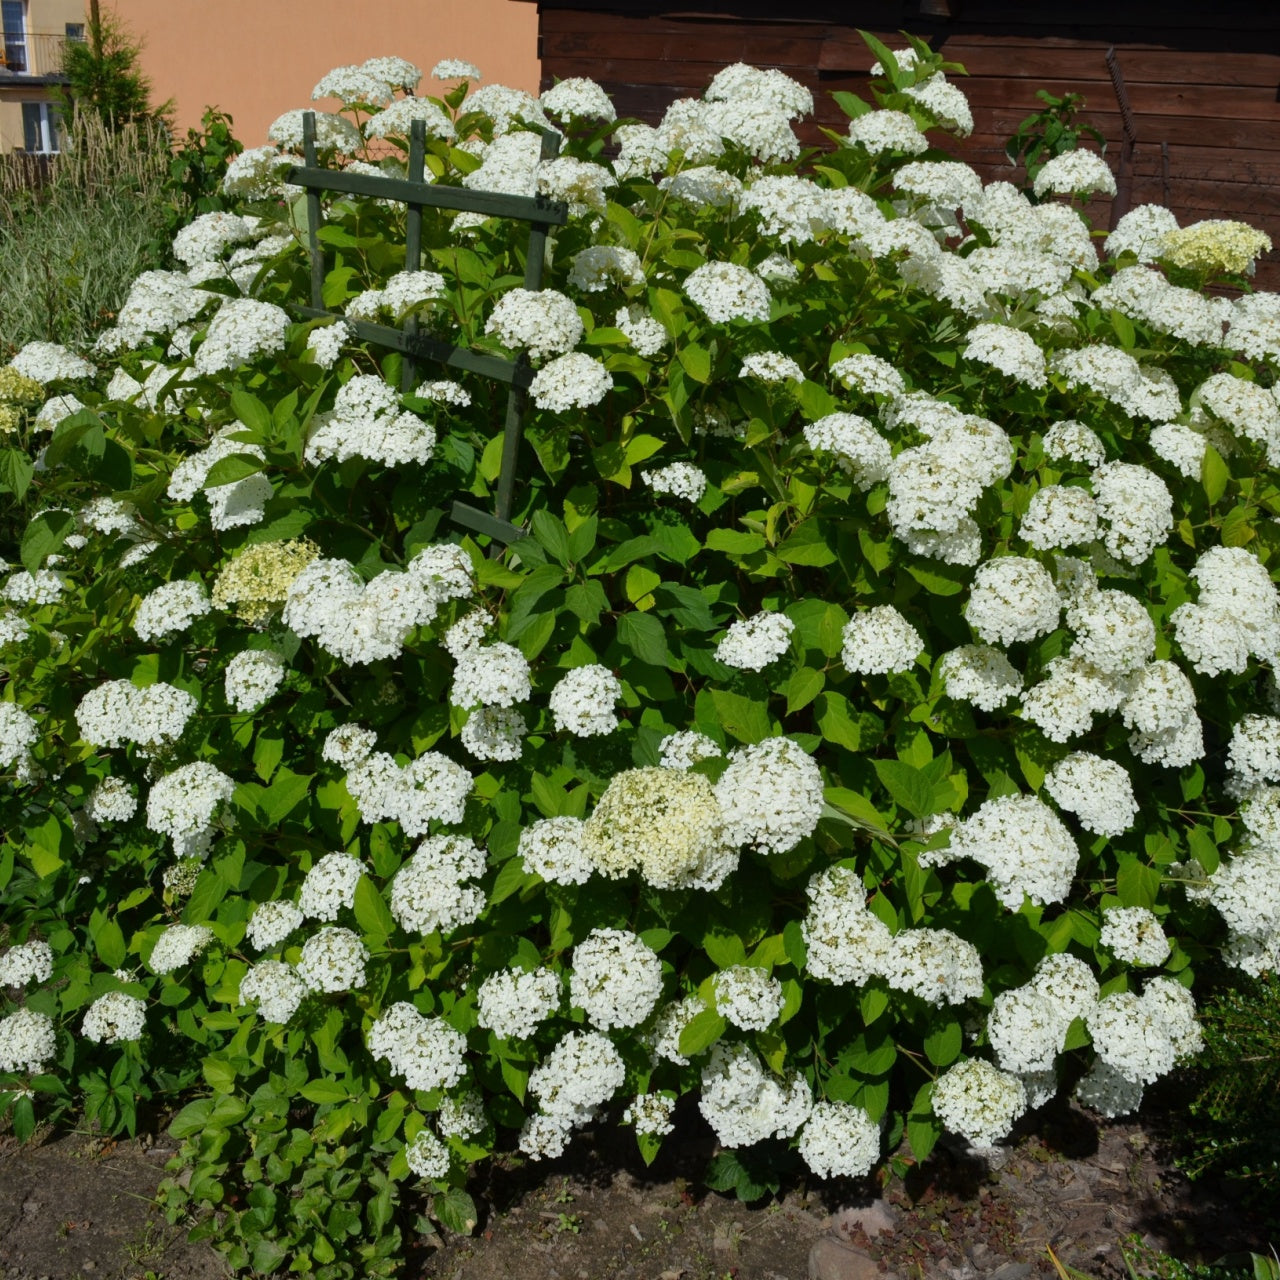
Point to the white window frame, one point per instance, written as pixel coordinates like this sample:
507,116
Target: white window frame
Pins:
47,128
21,37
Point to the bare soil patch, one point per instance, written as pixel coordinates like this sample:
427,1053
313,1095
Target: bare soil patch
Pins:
76,1208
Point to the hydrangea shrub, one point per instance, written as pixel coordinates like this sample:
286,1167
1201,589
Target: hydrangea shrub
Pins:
872,735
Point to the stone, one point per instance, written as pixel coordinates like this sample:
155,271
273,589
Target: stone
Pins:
832,1259
1011,1271
873,1217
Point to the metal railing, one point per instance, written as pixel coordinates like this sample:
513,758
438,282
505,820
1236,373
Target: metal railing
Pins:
33,53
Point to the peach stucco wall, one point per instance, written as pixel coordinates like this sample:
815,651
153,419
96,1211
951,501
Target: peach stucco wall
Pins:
259,58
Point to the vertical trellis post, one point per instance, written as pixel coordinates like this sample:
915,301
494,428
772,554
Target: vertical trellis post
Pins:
313,211
413,238
517,400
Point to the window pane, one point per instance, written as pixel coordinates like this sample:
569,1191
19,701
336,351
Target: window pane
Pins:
15,34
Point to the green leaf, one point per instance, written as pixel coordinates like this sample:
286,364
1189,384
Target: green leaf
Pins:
803,687
193,1118
807,547
1124,330
696,362
940,579
325,1091
943,1046
371,911
724,950
920,791
735,543
703,1031
645,636
551,534
1215,475
455,1210
923,1133
267,1256
286,792
837,724
109,944
1136,883
15,472
746,720
233,467
252,412
44,537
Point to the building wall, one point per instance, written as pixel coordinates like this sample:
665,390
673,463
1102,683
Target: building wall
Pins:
1202,81
46,20
259,58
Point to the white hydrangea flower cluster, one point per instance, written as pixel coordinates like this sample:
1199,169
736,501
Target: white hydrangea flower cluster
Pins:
576,1078
1141,231
18,734
397,120
426,1051
333,132
1077,172
112,800
27,1041
349,745
980,674
1023,844
750,644
577,97
573,381
1135,508
646,334
583,699
39,588
114,1018
431,788
330,886
748,996
1143,1037
513,1003
616,979
427,1156
366,421
507,107
684,749
771,366
50,362
333,960
600,266
455,69
725,291
358,622
252,678
879,641
869,374
1059,516
1144,294
494,733
845,942
678,479
462,1117
241,331
404,292
1133,934
171,607
271,923
1141,391
1236,615
858,448
744,1103
1099,792
881,131
492,675
207,236
934,964
116,712
1253,755
651,1114
428,892
542,323
275,988
554,848
1013,599
177,946
664,823
840,1140
184,805
580,184
771,795
30,961
1013,351
978,1102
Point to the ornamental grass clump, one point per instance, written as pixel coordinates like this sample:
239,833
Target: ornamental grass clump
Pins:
872,731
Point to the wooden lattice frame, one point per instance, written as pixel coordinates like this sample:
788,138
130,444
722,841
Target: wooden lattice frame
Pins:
416,193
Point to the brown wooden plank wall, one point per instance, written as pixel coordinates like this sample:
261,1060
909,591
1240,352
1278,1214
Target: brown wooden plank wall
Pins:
1203,81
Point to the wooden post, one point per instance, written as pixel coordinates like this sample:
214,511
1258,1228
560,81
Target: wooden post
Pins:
413,239
313,210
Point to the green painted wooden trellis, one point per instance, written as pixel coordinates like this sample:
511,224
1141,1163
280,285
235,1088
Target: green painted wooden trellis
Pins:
417,194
